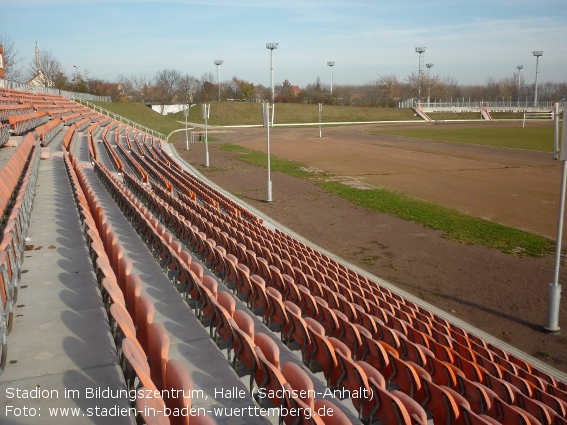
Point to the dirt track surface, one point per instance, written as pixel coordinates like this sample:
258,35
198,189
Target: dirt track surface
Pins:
503,295
514,187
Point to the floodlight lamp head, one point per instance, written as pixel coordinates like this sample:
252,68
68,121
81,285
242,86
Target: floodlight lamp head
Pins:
538,53
429,65
272,46
420,49
219,62
520,67
331,63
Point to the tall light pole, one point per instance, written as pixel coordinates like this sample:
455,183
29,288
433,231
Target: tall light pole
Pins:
429,66
419,50
331,64
218,63
519,68
268,119
554,294
537,54
186,113
206,111
272,46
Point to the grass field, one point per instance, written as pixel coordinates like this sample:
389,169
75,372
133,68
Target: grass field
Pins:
143,115
454,115
538,138
458,226
507,115
246,113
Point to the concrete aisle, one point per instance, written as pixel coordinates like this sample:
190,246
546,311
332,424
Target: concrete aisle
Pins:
190,341
60,340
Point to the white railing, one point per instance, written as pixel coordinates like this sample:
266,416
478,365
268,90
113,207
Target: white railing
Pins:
7,84
122,119
476,104
83,98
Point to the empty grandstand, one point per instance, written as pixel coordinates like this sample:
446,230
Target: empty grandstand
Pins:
132,291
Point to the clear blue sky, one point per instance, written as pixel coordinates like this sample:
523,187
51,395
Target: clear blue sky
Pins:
469,40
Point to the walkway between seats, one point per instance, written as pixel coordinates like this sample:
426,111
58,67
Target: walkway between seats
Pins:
60,340
190,342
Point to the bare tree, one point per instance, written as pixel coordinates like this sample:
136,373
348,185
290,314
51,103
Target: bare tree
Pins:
50,71
136,88
11,59
390,89
208,87
166,85
188,87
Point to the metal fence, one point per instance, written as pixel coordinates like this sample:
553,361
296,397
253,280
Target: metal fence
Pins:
475,104
83,98
122,119
6,84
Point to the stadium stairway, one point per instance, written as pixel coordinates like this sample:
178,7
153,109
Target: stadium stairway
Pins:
190,342
61,340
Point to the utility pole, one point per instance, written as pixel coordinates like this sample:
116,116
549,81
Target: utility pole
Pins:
218,63
268,120
206,110
537,54
429,66
331,64
419,50
519,68
272,47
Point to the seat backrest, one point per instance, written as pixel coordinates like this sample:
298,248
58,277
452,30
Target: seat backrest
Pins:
145,310
226,300
151,408
269,348
133,290
244,322
271,379
299,381
389,409
211,284
177,378
415,411
158,340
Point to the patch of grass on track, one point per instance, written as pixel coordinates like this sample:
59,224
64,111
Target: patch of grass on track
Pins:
458,226
260,159
538,138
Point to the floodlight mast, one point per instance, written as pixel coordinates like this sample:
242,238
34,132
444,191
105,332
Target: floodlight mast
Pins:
519,68
206,111
272,46
268,119
419,50
331,64
429,66
537,54
554,294
218,62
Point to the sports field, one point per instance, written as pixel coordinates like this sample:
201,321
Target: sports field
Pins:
512,186
534,137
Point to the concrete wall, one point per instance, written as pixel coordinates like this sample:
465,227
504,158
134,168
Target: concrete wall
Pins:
168,109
